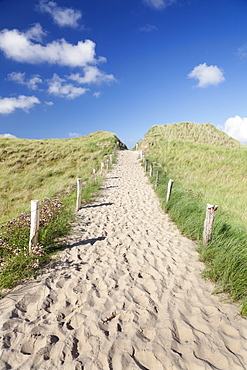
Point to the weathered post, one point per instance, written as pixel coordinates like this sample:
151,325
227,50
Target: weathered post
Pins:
33,241
111,159
140,153
146,165
169,190
78,198
157,179
107,165
102,168
208,223
94,176
151,170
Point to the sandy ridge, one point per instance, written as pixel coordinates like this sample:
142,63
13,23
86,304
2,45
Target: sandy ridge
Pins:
125,294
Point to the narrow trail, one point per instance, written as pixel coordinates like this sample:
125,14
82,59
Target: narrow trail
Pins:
126,294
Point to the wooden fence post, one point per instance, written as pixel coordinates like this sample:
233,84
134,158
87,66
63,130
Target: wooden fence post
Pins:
157,179
94,176
151,170
169,190
111,159
146,165
102,168
33,241
107,165
208,223
140,154
78,199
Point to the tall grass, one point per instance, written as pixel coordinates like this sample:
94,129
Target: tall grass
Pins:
45,170
205,173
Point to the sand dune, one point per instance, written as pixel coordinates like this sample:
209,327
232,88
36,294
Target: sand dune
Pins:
126,294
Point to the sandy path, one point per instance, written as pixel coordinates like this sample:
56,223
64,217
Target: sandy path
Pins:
126,294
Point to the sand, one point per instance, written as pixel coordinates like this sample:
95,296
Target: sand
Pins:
126,293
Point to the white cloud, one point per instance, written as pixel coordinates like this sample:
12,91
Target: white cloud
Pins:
73,134
97,94
59,87
207,75
19,78
148,28
159,4
18,46
61,16
9,105
236,127
50,103
10,136
35,33
242,51
32,83
92,75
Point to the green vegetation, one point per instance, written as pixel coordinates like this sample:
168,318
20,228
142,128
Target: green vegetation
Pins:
35,169
207,167
46,170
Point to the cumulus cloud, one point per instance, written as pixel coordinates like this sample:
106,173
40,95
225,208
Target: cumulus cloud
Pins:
59,87
207,75
10,136
61,15
63,88
9,105
148,28
159,4
19,46
33,82
19,78
50,103
35,33
92,75
236,127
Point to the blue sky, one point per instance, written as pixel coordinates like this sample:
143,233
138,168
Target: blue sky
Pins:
72,67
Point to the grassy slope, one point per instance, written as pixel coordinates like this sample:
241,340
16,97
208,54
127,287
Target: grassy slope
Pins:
42,169
207,167
34,169
204,159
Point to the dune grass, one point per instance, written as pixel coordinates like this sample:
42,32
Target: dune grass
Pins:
46,170
34,169
207,167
